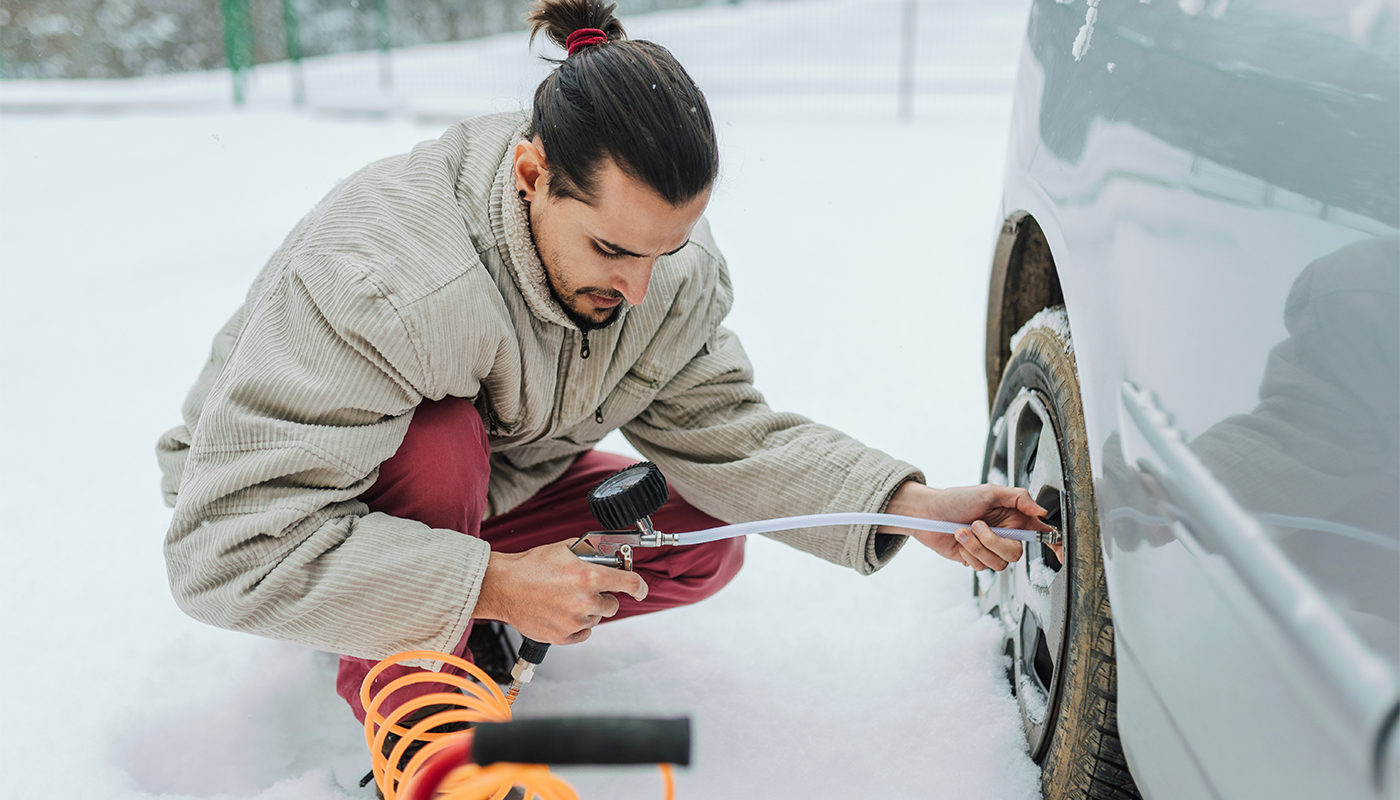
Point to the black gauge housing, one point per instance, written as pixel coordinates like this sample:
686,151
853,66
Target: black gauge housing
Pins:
630,494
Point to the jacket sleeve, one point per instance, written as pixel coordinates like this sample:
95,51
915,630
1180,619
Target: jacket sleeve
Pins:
734,458
315,391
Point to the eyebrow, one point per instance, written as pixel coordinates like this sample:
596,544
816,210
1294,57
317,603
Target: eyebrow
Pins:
624,251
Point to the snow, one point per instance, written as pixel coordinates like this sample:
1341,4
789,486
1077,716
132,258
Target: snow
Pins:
1054,319
1035,699
1086,31
132,219
1041,575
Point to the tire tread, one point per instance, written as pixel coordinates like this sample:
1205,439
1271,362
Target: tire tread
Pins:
1084,758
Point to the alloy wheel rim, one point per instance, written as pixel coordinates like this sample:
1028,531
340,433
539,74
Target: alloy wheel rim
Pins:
1030,598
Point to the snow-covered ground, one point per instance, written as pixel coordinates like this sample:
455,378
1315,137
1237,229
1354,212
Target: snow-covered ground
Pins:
133,218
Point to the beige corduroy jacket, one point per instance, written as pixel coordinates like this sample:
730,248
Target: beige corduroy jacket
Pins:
416,279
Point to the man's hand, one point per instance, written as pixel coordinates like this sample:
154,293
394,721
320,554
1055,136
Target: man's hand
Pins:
982,506
551,596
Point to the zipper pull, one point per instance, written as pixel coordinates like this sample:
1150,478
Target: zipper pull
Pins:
598,415
495,423
585,349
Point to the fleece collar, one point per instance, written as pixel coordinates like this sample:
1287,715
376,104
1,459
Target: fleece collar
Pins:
510,218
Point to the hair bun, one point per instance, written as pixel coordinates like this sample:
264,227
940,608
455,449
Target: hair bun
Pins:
561,19
629,103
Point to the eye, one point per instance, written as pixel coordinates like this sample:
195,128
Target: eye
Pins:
605,253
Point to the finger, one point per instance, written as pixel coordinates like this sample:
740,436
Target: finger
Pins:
1030,508
1007,549
608,605
579,636
973,563
634,586
611,579
607,579
979,556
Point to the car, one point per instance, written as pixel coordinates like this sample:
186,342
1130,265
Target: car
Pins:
1191,356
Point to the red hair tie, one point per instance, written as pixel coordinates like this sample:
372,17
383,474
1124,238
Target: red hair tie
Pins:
583,37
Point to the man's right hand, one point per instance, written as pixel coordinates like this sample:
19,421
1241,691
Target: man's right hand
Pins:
551,596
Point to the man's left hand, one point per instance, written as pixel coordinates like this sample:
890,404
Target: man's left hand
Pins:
979,506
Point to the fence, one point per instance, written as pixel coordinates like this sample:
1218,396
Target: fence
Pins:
239,46
238,43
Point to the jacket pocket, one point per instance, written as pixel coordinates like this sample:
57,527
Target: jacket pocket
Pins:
627,399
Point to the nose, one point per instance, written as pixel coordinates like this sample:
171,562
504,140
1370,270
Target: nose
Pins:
632,280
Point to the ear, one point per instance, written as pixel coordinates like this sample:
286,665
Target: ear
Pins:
531,169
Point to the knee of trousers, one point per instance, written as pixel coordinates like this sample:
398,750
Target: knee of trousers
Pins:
440,474
690,574
722,562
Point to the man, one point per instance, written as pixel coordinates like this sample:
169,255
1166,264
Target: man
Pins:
435,349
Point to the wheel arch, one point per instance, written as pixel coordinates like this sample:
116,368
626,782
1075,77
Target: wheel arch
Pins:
1024,280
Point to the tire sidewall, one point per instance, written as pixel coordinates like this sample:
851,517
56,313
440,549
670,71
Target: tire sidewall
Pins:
1083,707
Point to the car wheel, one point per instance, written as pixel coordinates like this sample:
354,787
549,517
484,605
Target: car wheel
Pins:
1058,632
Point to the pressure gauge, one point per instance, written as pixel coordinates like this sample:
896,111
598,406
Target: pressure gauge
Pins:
627,496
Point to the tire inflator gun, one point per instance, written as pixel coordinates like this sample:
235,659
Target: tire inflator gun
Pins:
624,502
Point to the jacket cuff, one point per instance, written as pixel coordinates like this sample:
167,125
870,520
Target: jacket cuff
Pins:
475,570
878,549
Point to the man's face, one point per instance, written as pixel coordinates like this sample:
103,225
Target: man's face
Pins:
599,255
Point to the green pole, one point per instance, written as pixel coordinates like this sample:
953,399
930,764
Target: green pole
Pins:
238,42
381,40
292,23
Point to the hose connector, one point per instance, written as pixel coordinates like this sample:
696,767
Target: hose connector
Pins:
522,672
531,654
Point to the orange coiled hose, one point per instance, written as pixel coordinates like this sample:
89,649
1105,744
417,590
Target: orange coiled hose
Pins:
480,700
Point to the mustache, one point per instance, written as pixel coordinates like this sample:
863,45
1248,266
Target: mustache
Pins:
611,294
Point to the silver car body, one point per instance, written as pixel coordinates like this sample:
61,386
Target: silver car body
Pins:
1217,184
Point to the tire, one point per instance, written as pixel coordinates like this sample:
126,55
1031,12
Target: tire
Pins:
1056,618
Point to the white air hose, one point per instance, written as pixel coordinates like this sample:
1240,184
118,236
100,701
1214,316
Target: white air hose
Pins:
844,518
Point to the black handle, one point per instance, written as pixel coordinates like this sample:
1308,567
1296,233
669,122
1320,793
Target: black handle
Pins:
584,740
533,651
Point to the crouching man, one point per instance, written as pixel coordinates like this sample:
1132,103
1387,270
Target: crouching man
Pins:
392,438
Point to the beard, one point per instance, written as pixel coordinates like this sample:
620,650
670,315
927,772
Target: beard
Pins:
568,298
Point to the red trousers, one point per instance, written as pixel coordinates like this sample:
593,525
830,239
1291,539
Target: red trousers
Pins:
439,477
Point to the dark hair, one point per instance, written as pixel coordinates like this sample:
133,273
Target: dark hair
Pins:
627,100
